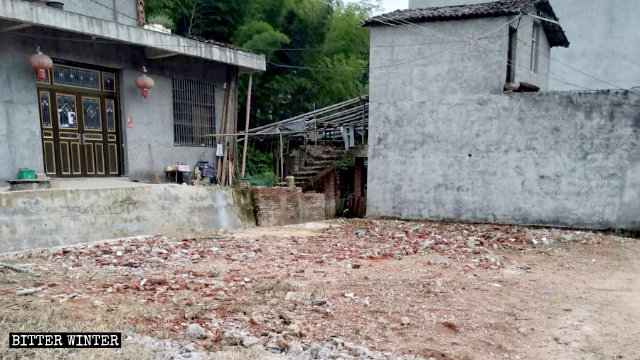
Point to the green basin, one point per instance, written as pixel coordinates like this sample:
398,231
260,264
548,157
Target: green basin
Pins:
26,174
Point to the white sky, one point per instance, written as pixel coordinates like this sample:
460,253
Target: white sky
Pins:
390,5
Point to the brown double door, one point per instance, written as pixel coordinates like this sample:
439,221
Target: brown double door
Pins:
80,131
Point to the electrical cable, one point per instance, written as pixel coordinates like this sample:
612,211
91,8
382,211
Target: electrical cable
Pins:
574,68
604,49
416,28
114,10
552,58
363,68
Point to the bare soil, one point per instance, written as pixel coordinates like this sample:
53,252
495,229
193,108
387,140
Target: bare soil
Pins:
448,291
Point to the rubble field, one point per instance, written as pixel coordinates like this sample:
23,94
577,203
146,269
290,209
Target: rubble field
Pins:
342,289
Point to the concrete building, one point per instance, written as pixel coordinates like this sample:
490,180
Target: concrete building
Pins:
604,50
87,118
446,142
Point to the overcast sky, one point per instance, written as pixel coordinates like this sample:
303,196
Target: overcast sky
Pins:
390,5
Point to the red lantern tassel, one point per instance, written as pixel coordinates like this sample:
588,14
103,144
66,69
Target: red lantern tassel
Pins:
42,74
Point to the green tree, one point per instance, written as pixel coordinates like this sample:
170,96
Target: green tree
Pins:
259,36
317,54
206,19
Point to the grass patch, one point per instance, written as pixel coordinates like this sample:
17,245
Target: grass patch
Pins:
274,286
47,318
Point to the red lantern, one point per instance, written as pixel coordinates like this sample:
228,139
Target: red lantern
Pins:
41,63
145,83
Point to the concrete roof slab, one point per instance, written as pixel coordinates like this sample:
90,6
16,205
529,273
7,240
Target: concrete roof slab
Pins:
29,13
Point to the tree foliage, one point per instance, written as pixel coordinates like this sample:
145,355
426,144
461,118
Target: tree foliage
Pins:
316,51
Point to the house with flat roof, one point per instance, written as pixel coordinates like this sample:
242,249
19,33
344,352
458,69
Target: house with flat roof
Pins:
87,112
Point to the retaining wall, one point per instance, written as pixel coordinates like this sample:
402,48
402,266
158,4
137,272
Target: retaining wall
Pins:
36,219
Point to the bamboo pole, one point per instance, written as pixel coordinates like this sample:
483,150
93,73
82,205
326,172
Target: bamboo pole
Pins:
246,127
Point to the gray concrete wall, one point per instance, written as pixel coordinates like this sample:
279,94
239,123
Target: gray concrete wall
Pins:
409,64
523,55
604,44
557,158
36,219
153,125
121,11
20,142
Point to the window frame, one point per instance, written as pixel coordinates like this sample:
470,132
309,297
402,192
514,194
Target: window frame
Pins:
194,113
535,47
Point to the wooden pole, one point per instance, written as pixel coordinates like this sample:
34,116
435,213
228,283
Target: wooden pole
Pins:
223,129
281,158
228,122
233,163
246,127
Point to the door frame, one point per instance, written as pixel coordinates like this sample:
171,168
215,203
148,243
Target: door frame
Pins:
110,139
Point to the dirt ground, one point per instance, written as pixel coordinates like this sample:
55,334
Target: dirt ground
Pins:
445,291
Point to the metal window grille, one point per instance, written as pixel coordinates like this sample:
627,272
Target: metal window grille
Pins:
77,77
193,113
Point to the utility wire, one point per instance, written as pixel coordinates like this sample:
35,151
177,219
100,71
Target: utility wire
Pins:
509,62
604,49
552,58
365,68
573,67
516,64
205,43
114,10
390,65
417,28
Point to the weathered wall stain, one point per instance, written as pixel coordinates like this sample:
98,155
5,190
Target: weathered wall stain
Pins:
569,159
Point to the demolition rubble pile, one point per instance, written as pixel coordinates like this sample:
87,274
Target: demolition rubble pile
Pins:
242,292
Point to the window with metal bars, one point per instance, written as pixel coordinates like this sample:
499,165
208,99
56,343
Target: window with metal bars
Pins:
193,113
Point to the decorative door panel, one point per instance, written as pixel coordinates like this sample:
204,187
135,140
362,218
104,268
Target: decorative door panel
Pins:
113,159
66,110
49,149
65,158
91,114
69,160
90,159
76,165
100,170
112,138
48,139
45,110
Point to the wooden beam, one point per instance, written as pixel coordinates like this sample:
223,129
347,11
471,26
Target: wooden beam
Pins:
15,27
